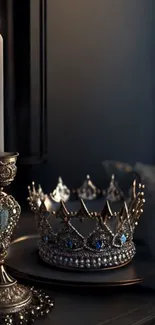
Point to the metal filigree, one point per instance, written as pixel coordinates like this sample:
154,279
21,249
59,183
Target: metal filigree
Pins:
13,296
17,302
88,191
9,216
8,168
40,306
109,245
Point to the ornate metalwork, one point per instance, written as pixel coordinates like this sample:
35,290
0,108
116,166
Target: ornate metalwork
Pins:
109,245
16,300
88,191
8,168
13,297
41,304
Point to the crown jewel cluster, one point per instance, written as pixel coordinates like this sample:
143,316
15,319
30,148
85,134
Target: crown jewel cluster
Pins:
110,243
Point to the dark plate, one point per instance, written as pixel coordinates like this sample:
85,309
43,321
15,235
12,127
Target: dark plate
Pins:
23,262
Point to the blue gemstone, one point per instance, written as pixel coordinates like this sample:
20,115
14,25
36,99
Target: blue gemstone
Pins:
98,244
69,244
123,239
4,216
46,239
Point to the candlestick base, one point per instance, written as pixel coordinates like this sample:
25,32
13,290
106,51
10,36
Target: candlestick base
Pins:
20,304
35,303
13,296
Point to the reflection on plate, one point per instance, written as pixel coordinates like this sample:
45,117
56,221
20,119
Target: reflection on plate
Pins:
23,262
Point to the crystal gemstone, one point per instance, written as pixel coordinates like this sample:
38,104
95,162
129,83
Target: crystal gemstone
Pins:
123,239
4,217
69,243
46,239
99,244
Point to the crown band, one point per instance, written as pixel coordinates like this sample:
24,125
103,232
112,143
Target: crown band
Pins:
109,259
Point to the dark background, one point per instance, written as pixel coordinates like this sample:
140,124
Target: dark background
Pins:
79,87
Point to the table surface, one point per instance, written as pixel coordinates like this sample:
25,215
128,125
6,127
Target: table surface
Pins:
134,305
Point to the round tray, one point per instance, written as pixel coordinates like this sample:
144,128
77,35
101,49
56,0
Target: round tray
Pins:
23,261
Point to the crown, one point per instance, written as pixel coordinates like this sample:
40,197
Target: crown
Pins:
108,244
87,191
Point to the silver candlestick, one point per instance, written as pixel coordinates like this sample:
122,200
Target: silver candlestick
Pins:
18,304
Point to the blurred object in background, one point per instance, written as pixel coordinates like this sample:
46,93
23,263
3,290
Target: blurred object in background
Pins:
147,175
124,173
114,192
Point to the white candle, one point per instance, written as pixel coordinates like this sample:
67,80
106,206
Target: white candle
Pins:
1,98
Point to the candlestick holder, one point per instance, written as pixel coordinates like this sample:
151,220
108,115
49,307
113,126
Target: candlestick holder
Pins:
18,304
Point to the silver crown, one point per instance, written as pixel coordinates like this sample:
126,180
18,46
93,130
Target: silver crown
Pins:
110,243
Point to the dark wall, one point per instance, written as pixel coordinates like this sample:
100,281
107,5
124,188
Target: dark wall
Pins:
99,86
84,87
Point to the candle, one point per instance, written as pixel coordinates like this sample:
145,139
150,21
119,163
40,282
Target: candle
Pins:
1,98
